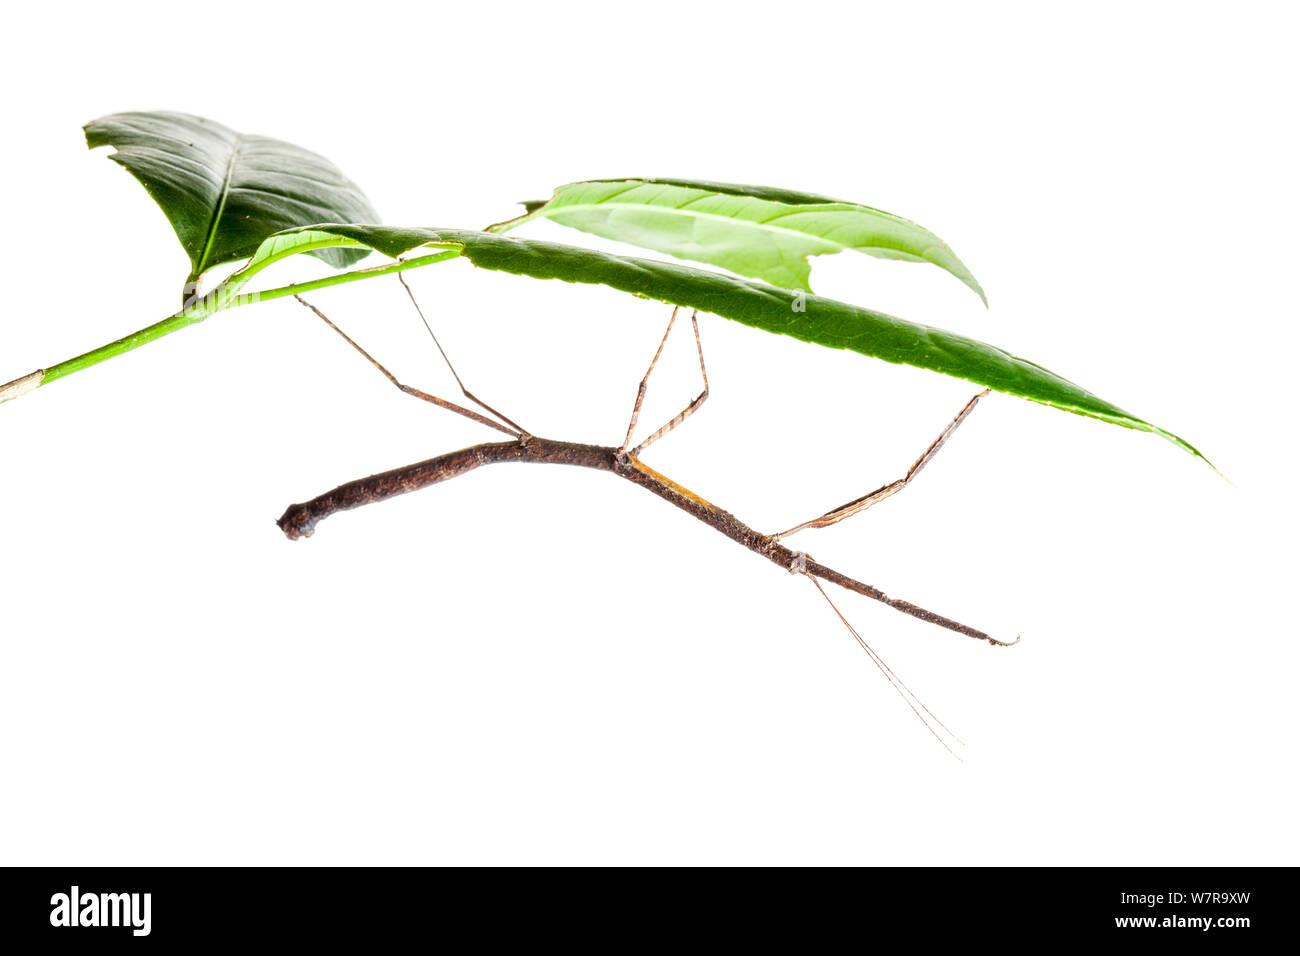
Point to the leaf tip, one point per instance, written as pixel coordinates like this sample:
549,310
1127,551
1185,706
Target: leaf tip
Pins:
1192,450
958,269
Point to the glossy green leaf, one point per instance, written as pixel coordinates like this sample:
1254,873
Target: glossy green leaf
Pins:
754,231
801,315
225,192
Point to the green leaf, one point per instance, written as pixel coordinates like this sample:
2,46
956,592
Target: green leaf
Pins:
754,231
225,192
801,315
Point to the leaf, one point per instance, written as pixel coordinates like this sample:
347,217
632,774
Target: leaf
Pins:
754,231
225,192
803,316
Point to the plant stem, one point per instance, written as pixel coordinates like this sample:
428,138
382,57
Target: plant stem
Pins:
125,344
300,520
354,276
225,296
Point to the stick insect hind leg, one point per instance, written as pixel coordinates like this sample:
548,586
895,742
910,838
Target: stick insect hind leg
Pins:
687,412
923,713
848,510
509,427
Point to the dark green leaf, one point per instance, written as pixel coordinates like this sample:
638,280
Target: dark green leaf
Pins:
224,192
800,315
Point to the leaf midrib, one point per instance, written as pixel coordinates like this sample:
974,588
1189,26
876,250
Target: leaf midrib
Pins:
757,224
201,265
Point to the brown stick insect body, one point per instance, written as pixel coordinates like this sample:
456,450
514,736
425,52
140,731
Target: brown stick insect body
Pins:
300,520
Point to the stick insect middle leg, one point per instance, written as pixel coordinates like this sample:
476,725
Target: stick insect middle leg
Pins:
686,413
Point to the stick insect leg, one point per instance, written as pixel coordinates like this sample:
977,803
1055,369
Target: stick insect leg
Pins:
523,433
880,494
641,390
902,689
409,390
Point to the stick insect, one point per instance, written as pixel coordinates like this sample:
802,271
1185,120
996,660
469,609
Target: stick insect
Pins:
624,460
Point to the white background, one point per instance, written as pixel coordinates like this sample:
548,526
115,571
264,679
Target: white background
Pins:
547,665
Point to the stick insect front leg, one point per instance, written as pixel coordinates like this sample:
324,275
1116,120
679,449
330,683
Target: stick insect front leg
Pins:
836,515
687,412
514,432
523,433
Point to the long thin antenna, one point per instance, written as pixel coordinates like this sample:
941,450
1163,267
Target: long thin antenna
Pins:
902,689
466,392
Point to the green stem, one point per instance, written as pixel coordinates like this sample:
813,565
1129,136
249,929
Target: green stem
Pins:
226,296
125,344
400,266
